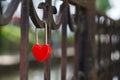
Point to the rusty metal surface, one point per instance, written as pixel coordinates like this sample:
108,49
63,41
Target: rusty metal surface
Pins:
34,17
64,45
76,55
90,42
7,16
47,63
24,40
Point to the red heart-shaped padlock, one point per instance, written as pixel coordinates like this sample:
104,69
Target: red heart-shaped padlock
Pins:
41,53
46,50
36,51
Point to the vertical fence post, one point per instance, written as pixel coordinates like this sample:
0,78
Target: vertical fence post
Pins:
64,44
46,17
47,63
76,45
76,55
64,47
24,40
90,42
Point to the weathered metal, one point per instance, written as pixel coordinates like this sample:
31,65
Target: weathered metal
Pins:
64,45
7,16
24,40
47,63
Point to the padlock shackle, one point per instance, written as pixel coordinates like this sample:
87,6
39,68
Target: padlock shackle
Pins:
36,35
46,34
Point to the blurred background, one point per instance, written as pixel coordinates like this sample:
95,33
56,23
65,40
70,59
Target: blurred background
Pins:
10,42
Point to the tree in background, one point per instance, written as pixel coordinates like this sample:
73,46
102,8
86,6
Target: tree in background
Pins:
102,5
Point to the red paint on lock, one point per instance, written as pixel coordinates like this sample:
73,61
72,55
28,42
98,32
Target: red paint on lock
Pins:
41,53
46,51
36,51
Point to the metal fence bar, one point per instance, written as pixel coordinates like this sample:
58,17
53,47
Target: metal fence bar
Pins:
47,63
90,40
77,44
76,55
64,45
64,58
24,40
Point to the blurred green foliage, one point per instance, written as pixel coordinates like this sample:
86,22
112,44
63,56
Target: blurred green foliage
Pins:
102,5
10,38
70,40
